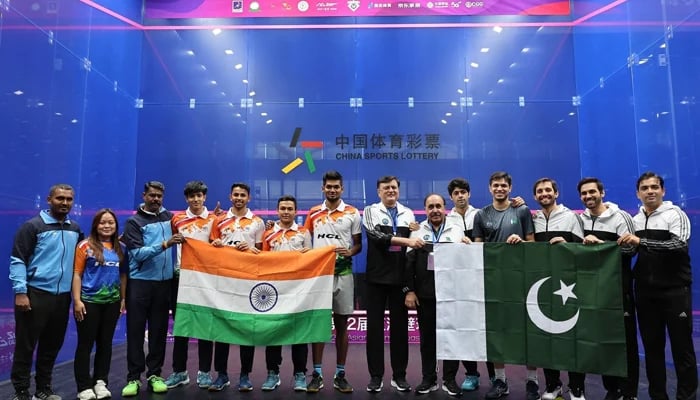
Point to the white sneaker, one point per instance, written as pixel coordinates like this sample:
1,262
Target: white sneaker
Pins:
87,394
576,394
551,393
101,391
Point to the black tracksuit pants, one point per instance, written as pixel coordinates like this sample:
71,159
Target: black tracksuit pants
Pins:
96,328
378,296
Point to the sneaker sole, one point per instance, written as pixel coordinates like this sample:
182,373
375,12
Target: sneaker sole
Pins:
314,390
426,391
243,389
400,389
220,388
183,383
269,389
341,390
299,389
376,390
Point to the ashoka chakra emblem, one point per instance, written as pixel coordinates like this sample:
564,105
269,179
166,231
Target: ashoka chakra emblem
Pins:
263,297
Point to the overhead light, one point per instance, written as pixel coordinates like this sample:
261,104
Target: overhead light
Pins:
474,114
258,104
203,67
245,81
216,31
18,92
644,120
663,46
228,52
238,66
39,104
474,65
513,65
571,114
223,93
453,103
443,122
58,114
484,49
643,61
497,29
501,80
212,82
466,80
74,121
251,93
190,52
540,28
448,114
490,91
663,112
460,91
269,121
263,114
525,50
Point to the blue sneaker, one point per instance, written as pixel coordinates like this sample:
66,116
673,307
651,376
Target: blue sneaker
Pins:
272,381
203,379
176,379
244,384
471,383
299,382
220,383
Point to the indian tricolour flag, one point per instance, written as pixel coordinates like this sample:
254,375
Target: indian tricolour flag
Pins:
554,306
270,298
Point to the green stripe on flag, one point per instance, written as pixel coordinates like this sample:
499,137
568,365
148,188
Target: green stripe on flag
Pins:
555,330
313,326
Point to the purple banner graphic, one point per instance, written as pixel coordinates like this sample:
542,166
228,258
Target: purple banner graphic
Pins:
173,9
357,328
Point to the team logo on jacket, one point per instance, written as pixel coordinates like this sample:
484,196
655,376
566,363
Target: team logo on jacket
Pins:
385,221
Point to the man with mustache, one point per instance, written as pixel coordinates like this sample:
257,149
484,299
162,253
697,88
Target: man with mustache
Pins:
148,237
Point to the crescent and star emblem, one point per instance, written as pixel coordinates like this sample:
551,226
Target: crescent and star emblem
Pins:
542,321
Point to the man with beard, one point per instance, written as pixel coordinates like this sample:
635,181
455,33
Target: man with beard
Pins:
605,222
148,237
555,223
334,223
40,269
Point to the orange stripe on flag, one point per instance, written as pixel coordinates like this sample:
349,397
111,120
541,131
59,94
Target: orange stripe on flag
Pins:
267,265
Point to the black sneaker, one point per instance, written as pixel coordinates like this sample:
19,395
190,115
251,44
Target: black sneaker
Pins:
576,394
532,390
498,389
451,388
400,384
316,383
341,384
46,394
426,387
375,384
613,395
22,395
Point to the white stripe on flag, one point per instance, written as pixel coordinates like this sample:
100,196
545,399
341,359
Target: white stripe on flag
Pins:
231,294
459,292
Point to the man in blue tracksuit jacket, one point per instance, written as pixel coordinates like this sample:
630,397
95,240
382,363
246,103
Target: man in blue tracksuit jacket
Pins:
148,237
41,268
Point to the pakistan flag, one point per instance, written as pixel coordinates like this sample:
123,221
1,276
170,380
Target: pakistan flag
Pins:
550,306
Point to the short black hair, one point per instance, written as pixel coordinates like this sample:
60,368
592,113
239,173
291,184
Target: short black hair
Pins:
649,175
501,175
242,186
543,180
332,175
61,186
153,185
590,179
458,183
387,179
193,187
287,197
